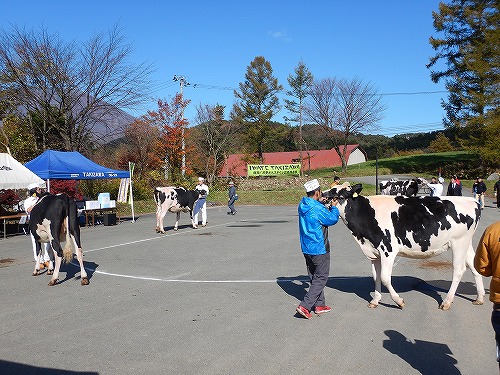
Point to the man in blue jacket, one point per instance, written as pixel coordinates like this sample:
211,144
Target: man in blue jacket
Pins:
314,220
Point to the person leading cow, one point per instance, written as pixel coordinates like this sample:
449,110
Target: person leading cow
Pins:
314,220
201,203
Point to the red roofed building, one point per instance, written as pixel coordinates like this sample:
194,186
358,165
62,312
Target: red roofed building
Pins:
312,159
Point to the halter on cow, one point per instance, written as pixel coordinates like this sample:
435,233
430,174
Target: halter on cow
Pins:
414,227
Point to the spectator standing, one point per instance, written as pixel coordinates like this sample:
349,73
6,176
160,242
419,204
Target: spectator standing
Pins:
232,198
478,189
34,194
454,188
314,220
201,203
496,188
336,181
436,186
487,263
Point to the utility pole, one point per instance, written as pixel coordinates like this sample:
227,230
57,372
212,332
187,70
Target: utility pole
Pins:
182,82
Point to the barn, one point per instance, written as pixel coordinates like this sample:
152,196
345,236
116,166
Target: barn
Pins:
235,164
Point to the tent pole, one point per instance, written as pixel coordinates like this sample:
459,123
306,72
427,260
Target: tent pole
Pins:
131,170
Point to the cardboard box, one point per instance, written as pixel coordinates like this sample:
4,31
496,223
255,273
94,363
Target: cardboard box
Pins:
92,205
104,200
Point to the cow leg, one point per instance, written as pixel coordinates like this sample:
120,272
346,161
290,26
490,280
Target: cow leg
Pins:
83,273
459,257
194,222
55,276
159,220
51,254
38,254
478,279
377,294
177,217
58,252
460,260
385,276
159,224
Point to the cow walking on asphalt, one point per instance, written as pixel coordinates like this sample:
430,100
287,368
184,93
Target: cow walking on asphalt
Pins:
177,200
53,220
414,227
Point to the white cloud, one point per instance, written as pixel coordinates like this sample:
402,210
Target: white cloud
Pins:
281,35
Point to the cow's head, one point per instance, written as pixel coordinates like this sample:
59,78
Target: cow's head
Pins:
343,192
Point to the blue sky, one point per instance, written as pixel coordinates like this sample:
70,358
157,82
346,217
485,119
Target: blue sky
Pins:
211,43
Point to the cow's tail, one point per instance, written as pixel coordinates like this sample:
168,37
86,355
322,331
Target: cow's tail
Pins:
68,246
157,199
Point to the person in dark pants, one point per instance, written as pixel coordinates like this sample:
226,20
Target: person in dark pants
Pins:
487,263
496,189
454,188
232,198
314,219
478,189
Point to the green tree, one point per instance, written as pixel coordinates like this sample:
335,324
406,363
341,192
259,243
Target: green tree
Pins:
300,84
467,59
256,103
440,144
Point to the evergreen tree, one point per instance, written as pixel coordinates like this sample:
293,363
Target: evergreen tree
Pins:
256,104
469,49
300,85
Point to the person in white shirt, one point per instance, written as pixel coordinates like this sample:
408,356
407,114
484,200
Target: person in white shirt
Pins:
34,191
201,203
436,186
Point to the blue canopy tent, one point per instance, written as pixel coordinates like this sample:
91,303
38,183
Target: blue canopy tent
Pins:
71,165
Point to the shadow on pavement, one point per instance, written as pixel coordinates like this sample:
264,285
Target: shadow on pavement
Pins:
296,286
13,368
429,358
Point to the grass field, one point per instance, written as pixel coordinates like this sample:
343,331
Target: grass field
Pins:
282,191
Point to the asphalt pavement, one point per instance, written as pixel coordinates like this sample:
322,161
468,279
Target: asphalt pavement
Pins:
221,300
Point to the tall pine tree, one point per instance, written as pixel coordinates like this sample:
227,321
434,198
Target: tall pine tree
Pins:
468,60
256,104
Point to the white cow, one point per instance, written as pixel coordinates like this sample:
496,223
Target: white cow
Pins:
415,227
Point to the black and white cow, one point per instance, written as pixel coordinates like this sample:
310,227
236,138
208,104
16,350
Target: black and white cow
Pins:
177,200
414,227
54,220
408,188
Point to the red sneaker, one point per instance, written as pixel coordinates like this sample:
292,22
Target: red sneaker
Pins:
304,312
322,309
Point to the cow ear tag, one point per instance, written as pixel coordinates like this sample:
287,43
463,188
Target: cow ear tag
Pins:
355,195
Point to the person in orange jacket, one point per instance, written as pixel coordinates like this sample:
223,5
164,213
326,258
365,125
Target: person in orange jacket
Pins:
487,263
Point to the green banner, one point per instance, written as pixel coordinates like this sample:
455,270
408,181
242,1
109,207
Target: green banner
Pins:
273,169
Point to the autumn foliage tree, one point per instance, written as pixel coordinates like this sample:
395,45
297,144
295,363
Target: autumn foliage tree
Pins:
169,120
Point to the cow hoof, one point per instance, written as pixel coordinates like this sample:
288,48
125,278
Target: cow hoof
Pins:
53,282
85,281
36,273
175,228
372,305
403,304
477,302
50,272
444,307
195,227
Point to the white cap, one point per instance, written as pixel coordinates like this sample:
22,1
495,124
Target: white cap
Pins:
441,180
231,183
311,185
34,185
201,179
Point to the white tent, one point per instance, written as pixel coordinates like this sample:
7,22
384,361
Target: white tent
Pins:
14,175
